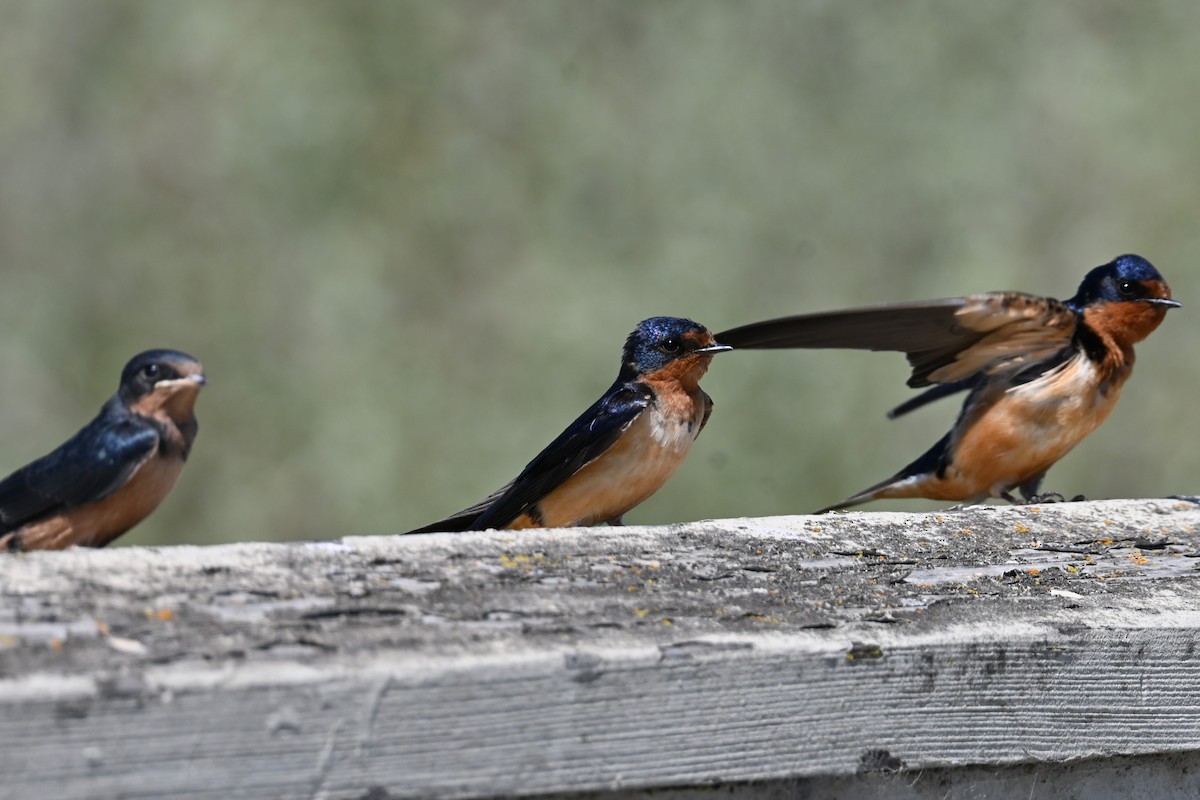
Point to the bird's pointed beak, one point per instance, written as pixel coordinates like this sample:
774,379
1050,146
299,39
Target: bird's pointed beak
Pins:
1163,301
715,347
196,378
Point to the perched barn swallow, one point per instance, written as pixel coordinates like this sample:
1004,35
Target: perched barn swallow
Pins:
622,449
116,470
1041,374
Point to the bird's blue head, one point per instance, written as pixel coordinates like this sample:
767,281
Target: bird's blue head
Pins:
662,341
1125,279
1123,300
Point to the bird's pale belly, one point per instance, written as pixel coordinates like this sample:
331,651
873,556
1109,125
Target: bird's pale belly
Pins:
641,461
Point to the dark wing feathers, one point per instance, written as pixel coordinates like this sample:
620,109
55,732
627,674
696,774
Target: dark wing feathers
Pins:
91,465
581,443
708,408
937,392
462,520
946,341
898,326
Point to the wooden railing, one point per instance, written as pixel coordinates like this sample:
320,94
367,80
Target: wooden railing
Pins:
877,651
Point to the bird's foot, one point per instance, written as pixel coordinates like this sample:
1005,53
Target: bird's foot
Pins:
1045,497
1053,497
617,522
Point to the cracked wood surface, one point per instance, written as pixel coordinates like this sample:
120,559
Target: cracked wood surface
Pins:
482,664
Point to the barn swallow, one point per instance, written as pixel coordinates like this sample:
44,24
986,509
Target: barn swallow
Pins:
622,449
116,470
1041,374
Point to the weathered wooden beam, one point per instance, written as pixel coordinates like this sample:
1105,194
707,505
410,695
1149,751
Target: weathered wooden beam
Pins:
604,659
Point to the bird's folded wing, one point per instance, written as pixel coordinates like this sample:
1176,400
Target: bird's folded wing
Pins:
90,466
582,442
585,440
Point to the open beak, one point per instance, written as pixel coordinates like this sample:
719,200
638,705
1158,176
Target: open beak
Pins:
713,348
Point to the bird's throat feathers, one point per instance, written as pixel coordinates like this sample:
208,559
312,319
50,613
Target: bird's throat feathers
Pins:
1124,324
171,410
686,371
174,402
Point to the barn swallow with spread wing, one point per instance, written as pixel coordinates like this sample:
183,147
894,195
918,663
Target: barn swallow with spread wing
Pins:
1041,374
116,470
622,449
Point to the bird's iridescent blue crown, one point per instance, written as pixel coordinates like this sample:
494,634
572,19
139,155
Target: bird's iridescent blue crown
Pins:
1126,278
658,341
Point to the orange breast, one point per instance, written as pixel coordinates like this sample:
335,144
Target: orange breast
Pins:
97,524
1020,433
637,466
1030,427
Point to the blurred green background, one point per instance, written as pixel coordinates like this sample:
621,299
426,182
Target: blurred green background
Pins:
408,239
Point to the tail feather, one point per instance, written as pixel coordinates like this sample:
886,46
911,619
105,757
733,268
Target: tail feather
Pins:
463,520
866,495
453,524
931,464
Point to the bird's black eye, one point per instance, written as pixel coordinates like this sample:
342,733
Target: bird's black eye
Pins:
671,346
1127,288
151,371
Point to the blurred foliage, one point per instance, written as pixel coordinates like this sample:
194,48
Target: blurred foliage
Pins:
408,239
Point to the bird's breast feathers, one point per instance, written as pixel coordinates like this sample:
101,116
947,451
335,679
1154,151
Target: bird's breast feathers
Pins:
1029,427
635,467
1074,395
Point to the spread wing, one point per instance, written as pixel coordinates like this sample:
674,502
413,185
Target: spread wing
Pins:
582,442
950,341
91,465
